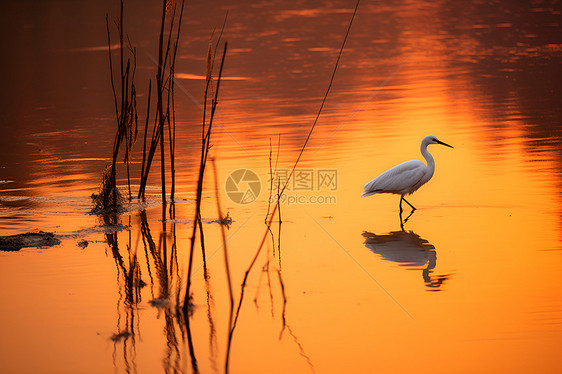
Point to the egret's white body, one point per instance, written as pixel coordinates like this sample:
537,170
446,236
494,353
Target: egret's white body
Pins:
406,178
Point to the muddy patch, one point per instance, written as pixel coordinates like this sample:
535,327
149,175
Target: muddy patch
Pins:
31,239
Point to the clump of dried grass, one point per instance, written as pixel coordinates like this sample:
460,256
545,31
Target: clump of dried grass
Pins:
109,199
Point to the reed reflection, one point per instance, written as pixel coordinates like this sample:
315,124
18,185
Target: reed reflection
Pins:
267,268
161,264
129,284
167,285
409,250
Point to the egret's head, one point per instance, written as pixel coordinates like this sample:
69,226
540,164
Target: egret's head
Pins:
432,139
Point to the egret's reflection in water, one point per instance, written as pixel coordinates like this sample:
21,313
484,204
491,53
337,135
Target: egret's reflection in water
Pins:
409,250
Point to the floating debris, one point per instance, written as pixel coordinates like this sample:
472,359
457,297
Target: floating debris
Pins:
39,239
226,221
85,232
82,243
120,336
159,303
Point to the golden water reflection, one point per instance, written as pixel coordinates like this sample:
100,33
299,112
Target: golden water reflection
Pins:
487,233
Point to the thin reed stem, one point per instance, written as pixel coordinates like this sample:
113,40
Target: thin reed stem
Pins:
143,166
277,204
203,161
126,119
325,96
111,67
160,111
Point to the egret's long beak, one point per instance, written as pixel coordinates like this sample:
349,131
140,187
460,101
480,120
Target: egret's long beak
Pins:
445,144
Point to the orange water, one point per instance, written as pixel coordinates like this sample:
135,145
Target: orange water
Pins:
473,282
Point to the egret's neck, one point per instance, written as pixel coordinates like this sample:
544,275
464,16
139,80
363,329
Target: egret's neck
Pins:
428,157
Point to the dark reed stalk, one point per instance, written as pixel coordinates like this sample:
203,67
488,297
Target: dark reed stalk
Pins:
165,107
150,155
125,118
159,119
160,111
109,184
121,119
109,196
120,28
166,85
145,133
111,65
172,143
172,86
204,153
132,119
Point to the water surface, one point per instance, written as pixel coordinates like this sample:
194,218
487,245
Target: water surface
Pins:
470,284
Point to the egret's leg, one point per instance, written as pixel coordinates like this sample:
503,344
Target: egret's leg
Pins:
413,207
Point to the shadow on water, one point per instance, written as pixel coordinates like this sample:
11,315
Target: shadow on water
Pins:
408,250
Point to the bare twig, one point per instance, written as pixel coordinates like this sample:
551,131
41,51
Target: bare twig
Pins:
276,206
160,109
203,161
144,142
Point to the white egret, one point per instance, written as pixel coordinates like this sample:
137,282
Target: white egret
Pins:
407,177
